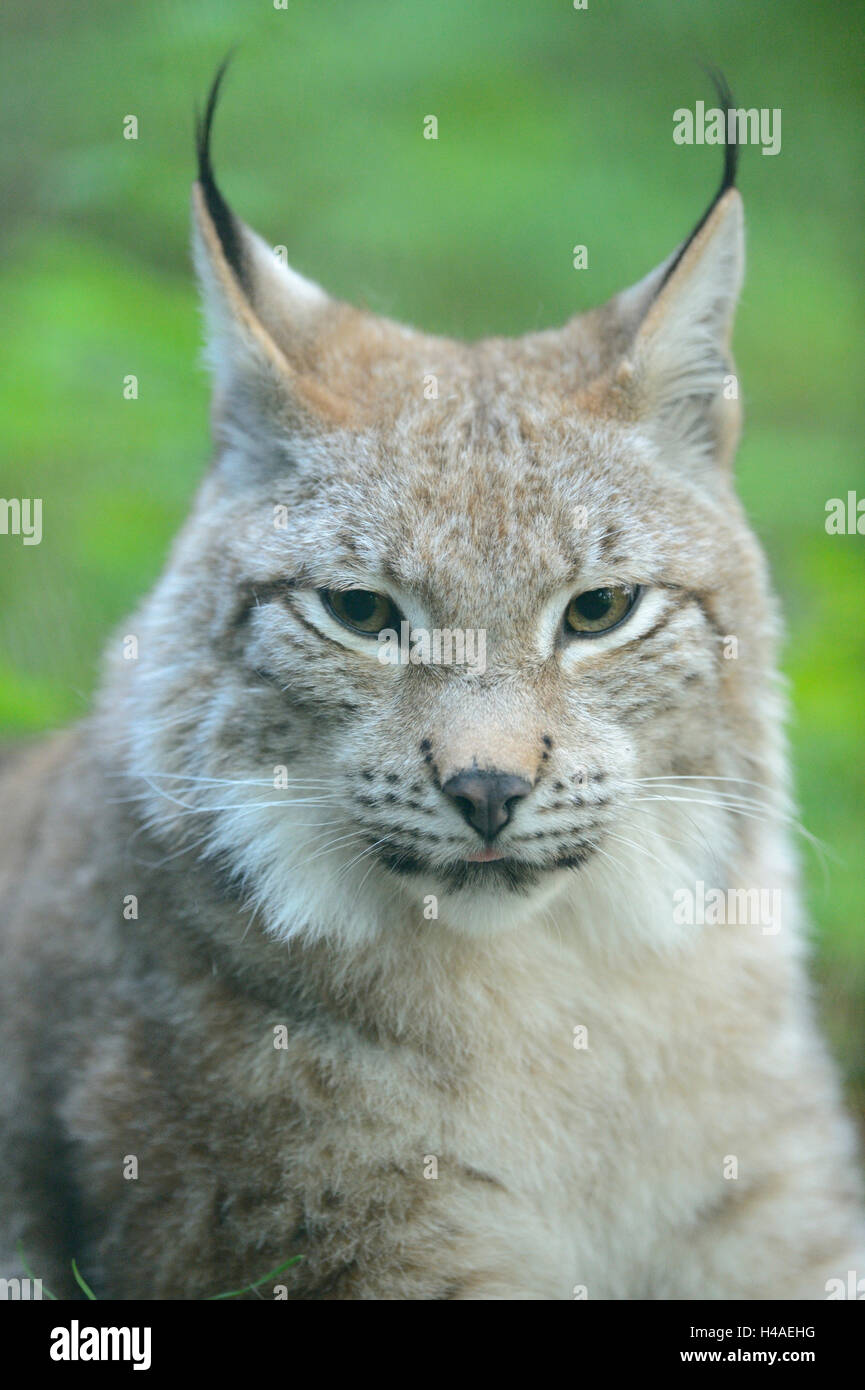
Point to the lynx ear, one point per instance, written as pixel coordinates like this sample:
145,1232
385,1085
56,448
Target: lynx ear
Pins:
675,370
262,318
678,371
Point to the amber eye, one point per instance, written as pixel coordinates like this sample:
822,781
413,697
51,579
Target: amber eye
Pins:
361,610
598,610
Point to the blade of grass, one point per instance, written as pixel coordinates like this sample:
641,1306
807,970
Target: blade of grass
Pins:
46,1293
82,1283
247,1288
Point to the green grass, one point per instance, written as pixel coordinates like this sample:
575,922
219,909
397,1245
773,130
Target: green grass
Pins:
554,128
209,1298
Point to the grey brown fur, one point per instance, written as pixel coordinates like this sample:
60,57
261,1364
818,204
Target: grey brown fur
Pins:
428,1130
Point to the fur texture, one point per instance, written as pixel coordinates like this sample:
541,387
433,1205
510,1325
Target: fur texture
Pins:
330,1032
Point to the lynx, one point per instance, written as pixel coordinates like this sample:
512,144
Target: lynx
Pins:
372,969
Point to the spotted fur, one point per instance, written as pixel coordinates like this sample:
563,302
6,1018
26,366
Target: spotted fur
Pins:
272,797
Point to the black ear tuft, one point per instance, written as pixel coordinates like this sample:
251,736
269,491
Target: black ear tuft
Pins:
726,102
221,215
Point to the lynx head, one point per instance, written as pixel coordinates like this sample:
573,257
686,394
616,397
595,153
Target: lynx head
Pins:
558,508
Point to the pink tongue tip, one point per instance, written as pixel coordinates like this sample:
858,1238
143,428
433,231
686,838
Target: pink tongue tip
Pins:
484,856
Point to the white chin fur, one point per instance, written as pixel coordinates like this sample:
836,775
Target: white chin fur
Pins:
619,899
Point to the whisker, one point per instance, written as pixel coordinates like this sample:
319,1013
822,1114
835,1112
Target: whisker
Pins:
698,777
698,838
738,808
326,849
721,795
696,801
363,855
226,781
624,841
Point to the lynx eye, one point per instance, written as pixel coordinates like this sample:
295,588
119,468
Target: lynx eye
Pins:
599,610
361,610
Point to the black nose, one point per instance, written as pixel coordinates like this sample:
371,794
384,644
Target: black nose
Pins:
486,799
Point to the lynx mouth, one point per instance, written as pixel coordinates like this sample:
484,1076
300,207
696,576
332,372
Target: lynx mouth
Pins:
503,872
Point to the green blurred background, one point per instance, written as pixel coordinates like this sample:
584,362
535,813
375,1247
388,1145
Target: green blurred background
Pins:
555,127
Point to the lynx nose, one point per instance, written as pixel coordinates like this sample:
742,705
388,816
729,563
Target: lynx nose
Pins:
486,799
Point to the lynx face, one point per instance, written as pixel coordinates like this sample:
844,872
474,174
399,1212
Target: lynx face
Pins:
564,497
